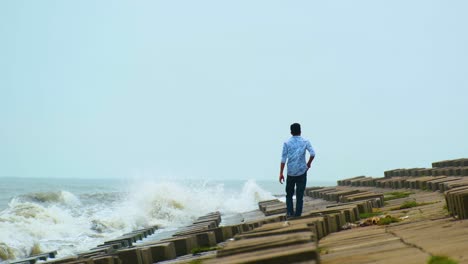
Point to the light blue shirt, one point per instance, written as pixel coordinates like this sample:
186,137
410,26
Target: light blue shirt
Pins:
294,152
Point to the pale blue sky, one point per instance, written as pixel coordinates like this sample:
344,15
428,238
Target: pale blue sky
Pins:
208,89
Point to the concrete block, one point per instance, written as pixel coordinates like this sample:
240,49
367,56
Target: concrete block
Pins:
216,216
273,219
104,260
261,243
453,204
455,184
146,255
364,196
320,228
190,232
287,229
183,245
309,189
206,239
95,252
130,256
235,229
62,260
208,223
124,241
464,201
350,216
335,196
330,224
317,193
464,171
162,252
275,209
296,253
434,185
227,232
348,180
80,261
219,235
262,205
461,206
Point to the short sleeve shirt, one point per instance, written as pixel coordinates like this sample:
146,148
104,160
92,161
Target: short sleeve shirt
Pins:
294,153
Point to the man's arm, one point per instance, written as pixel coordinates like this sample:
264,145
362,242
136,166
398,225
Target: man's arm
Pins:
312,154
281,177
284,157
311,158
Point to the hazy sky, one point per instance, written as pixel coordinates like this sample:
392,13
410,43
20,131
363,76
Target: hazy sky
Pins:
208,89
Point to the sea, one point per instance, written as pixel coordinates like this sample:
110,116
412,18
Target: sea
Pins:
75,215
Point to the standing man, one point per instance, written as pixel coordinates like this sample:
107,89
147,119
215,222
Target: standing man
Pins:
294,152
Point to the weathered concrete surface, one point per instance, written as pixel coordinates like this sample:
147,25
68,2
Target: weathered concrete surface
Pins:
368,245
426,230
296,253
260,243
437,237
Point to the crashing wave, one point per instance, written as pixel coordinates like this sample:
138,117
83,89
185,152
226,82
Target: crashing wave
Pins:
61,221
59,197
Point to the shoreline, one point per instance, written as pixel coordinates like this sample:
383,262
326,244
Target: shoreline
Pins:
397,218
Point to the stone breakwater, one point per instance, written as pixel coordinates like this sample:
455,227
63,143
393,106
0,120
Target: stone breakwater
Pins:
393,219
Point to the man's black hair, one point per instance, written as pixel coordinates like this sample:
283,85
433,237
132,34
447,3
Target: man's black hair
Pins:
296,129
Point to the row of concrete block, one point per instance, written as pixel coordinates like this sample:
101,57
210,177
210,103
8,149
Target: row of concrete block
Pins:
102,253
436,171
296,239
272,207
434,183
350,203
455,188
204,232
274,240
321,222
36,258
451,163
341,195
108,247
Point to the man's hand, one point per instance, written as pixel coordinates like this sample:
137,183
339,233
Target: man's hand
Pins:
311,158
281,178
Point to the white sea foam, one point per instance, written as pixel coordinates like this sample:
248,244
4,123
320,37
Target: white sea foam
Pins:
68,223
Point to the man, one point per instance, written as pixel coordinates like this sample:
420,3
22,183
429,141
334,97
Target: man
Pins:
294,152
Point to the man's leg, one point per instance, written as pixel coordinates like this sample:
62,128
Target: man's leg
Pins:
301,184
289,195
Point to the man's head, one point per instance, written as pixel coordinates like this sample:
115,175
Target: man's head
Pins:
296,129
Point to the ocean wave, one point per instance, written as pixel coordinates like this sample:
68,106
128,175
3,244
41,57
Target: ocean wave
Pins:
60,197
171,204
62,221
101,197
248,198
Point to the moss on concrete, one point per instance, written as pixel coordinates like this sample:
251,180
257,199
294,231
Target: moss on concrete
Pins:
441,260
199,250
387,220
396,195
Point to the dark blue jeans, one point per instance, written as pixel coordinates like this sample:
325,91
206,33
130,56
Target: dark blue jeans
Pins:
299,182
